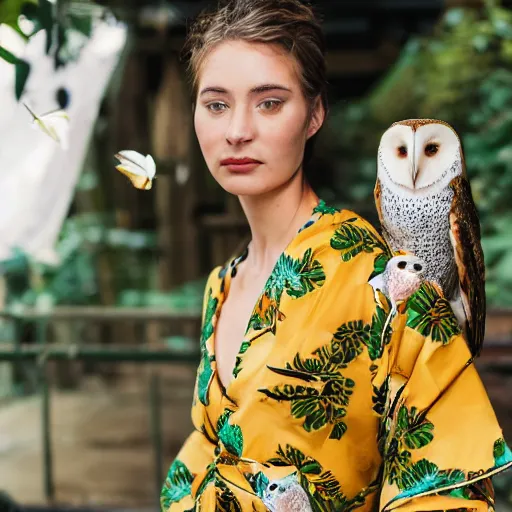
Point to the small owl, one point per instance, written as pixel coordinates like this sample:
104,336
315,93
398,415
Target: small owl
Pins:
286,495
402,277
425,207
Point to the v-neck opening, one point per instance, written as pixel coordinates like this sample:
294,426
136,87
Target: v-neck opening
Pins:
231,269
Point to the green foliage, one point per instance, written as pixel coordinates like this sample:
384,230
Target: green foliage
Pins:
462,74
84,239
66,31
10,11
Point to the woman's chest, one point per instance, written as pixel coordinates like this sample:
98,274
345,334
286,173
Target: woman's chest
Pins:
233,322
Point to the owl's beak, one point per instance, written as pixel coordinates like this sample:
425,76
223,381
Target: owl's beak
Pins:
414,162
414,174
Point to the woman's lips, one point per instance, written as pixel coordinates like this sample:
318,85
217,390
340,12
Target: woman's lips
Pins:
240,164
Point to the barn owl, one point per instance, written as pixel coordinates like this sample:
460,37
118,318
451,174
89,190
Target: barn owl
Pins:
286,495
424,202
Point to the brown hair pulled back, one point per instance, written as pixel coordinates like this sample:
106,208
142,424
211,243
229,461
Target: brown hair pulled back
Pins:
290,24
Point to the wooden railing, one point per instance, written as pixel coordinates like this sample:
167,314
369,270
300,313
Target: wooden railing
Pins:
149,350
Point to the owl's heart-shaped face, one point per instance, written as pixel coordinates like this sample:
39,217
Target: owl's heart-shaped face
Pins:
419,156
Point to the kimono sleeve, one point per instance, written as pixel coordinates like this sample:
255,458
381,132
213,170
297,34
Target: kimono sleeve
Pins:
197,453
188,467
440,440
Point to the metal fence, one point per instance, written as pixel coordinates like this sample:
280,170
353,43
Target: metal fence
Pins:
150,350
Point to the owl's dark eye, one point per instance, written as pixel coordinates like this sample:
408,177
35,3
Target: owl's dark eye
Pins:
272,487
431,149
402,264
417,267
402,151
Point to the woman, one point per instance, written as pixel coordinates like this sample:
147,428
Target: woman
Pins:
304,399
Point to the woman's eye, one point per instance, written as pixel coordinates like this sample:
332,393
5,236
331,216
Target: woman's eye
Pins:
270,105
216,107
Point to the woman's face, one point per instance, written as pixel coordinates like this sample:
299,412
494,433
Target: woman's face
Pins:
251,117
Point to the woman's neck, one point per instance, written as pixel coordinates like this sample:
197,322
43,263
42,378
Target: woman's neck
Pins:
275,218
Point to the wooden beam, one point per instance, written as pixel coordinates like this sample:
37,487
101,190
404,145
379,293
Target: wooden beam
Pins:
341,62
463,3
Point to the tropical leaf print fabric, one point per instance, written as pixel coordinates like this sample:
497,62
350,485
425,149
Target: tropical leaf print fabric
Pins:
337,400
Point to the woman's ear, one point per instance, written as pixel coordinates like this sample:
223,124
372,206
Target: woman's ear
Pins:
317,117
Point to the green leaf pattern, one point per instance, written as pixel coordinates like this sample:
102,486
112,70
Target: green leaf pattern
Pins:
351,240
177,484
226,500
230,435
205,371
323,209
325,405
412,430
210,310
424,476
431,315
311,475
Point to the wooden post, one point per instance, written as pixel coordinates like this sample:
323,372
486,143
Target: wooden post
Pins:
175,194
6,373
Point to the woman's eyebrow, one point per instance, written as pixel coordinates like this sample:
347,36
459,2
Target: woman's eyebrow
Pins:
269,87
213,89
255,90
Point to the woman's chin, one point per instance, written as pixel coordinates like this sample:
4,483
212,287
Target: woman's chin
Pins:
246,185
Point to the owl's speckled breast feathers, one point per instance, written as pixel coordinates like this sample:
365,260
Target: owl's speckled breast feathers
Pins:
421,225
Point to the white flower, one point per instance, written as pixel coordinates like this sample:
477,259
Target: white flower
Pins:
139,169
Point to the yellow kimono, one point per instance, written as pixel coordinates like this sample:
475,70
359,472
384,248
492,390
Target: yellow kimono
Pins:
332,407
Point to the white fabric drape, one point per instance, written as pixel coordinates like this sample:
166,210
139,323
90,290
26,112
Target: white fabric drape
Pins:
38,177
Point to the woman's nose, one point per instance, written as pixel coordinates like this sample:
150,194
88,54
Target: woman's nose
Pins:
240,127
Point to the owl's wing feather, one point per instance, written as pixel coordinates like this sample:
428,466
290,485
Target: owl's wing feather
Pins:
469,257
378,205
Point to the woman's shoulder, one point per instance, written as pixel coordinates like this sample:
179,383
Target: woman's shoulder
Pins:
347,246
348,233
348,219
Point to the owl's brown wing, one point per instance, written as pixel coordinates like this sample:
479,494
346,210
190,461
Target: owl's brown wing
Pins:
376,195
469,257
378,205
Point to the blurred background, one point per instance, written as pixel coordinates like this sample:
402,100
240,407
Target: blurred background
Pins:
101,284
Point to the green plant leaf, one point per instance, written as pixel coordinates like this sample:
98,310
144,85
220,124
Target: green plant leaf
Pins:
81,23
8,56
22,72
